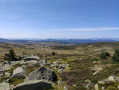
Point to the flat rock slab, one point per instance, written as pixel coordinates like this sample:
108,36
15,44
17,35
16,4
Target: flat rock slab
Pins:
4,86
34,85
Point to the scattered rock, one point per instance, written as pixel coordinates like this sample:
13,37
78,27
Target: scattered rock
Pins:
74,85
19,72
14,62
113,78
7,67
31,57
118,86
97,68
102,88
56,63
65,88
87,81
95,62
32,62
4,86
96,87
106,80
101,82
42,73
7,74
46,62
88,84
96,73
33,85
60,83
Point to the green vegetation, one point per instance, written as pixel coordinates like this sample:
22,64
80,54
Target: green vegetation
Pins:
81,60
10,56
116,56
104,55
53,53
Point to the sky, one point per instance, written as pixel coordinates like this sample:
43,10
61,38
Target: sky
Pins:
59,19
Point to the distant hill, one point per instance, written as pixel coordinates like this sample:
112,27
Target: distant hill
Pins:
64,41
15,41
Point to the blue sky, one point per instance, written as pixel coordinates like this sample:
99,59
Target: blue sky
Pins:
43,19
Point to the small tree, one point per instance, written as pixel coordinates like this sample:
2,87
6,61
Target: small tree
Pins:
104,55
10,56
116,56
53,53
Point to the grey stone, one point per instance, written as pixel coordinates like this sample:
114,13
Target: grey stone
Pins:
88,81
94,62
32,62
96,87
65,88
33,85
96,73
101,82
102,88
7,74
31,57
4,86
19,72
60,83
14,62
43,73
7,67
56,63
113,78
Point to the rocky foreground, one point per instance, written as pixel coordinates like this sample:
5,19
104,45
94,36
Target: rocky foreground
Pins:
32,73
39,79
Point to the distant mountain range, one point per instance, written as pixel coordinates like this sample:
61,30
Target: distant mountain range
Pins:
64,41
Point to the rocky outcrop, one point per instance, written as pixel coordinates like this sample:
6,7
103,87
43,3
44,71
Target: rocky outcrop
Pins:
33,85
42,73
19,72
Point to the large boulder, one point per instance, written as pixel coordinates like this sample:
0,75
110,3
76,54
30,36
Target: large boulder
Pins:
33,85
42,73
20,72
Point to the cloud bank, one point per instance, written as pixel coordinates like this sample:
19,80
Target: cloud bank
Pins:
87,29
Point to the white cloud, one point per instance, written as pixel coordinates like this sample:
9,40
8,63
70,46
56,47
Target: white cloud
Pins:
87,29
